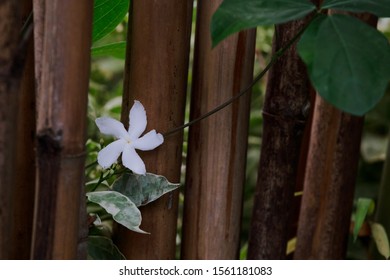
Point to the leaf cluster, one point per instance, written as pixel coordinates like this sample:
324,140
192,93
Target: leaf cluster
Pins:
121,201
347,60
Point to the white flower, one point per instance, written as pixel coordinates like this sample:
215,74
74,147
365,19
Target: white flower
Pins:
129,140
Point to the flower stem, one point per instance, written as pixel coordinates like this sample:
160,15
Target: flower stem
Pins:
91,164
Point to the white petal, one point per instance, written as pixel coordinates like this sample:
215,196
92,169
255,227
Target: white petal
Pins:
137,120
149,141
110,153
110,126
132,160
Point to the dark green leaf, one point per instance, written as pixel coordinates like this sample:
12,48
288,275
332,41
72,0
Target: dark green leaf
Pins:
348,62
117,50
235,15
102,248
381,8
122,209
107,14
362,209
143,189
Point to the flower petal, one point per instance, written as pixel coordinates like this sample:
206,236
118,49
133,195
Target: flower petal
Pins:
110,126
132,160
149,141
137,120
108,155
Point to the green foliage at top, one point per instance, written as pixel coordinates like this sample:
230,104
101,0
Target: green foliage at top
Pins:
380,8
107,15
235,15
347,60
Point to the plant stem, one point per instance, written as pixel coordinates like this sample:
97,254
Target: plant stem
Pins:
91,164
106,177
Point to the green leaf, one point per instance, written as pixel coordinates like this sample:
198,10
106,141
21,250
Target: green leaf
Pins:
244,252
381,8
143,189
347,60
363,207
122,209
291,246
381,240
107,14
117,50
102,248
235,15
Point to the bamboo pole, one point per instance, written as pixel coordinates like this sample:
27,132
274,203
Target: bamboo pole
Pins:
217,146
25,164
63,36
11,70
329,181
24,187
329,184
285,115
156,75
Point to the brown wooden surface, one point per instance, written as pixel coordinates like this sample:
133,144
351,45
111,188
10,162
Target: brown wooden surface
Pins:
329,184
329,180
10,76
25,163
285,114
217,145
63,38
156,75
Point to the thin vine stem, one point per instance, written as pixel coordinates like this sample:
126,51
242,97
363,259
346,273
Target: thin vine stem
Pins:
27,24
257,78
91,164
103,177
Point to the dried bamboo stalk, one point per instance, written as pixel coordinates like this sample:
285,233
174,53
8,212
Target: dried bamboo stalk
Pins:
217,145
285,115
62,80
329,181
156,75
11,69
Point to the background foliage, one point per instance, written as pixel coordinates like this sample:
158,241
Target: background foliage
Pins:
106,84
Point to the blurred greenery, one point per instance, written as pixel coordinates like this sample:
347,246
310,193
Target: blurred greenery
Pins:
106,85
373,152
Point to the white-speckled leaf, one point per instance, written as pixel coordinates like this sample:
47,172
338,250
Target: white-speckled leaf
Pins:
381,240
122,209
143,189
